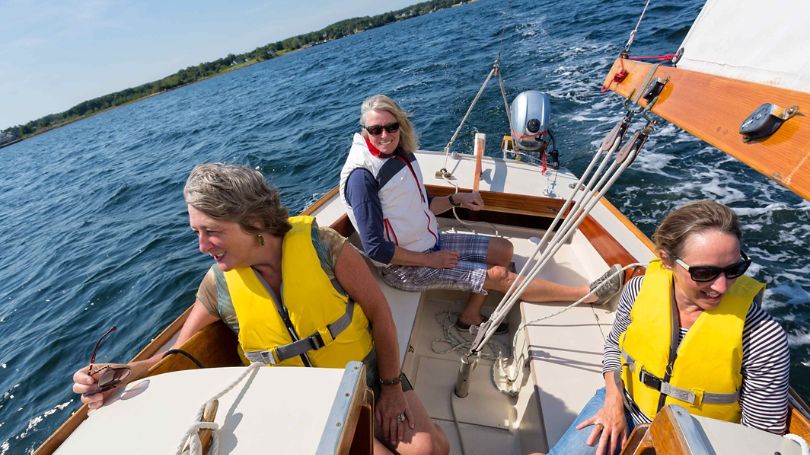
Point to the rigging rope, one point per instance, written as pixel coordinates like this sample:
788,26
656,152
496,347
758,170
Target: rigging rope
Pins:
492,72
632,37
191,438
597,186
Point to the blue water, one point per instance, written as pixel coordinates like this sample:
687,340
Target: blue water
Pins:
94,229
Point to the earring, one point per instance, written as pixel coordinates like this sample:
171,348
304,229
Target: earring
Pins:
260,238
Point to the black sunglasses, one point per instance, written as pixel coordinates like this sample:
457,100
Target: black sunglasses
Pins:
704,273
376,130
111,376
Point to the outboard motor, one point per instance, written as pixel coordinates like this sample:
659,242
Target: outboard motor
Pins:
530,125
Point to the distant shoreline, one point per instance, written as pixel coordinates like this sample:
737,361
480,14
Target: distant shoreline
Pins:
111,108
216,68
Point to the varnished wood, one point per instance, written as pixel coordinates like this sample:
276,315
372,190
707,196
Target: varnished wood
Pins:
343,226
215,345
508,203
663,437
478,152
798,422
604,243
712,108
209,414
634,440
358,432
611,251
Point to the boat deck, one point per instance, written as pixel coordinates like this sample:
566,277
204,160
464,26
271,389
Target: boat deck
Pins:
564,354
561,356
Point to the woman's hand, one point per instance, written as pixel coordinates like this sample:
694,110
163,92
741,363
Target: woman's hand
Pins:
390,407
97,381
442,259
609,427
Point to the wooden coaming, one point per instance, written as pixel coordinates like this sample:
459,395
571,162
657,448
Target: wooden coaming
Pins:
712,108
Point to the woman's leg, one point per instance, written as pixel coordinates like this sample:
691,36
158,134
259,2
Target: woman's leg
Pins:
426,438
573,441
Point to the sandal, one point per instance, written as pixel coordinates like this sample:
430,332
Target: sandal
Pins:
608,285
503,327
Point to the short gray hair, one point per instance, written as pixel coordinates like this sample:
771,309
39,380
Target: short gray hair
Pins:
407,135
238,194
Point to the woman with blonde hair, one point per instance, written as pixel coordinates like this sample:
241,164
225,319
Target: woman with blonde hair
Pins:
385,198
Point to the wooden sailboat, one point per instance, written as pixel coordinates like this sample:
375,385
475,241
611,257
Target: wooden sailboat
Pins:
558,359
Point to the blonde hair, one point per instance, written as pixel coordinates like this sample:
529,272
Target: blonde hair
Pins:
238,194
407,136
694,218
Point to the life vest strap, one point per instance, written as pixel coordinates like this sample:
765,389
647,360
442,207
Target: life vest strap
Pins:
321,338
694,397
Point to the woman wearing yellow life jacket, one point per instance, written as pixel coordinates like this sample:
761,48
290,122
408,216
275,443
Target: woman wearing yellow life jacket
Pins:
281,282
689,332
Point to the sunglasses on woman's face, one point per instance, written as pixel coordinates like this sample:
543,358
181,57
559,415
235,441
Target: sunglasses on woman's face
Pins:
704,273
376,130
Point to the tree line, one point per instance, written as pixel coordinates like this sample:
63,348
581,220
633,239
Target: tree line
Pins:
228,63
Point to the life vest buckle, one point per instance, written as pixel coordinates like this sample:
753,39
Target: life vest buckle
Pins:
697,396
264,357
650,380
316,340
325,335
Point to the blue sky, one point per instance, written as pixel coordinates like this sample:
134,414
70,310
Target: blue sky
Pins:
56,54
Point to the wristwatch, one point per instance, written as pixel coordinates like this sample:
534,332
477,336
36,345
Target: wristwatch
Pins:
394,381
453,201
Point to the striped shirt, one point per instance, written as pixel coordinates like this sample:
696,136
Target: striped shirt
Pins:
765,364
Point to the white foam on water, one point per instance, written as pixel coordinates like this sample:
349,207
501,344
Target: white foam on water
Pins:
799,339
32,423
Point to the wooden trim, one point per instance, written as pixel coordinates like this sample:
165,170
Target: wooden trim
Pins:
604,243
478,151
799,416
343,225
712,108
358,433
508,203
323,200
215,345
608,247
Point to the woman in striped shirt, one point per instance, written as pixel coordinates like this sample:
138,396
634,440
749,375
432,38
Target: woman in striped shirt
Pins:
691,332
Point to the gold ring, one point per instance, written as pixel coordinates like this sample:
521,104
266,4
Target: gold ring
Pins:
600,426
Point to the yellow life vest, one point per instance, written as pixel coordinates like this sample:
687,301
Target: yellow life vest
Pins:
312,303
706,374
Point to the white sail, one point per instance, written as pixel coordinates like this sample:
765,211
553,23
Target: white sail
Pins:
754,41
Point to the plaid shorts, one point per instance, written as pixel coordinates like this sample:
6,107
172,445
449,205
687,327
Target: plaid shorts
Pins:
468,275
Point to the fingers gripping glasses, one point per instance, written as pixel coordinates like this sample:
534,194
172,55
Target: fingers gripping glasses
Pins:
705,273
110,375
376,130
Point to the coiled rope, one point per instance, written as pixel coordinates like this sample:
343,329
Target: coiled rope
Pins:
191,439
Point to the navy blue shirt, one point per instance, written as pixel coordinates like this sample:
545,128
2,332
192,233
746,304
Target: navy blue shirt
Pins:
361,192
